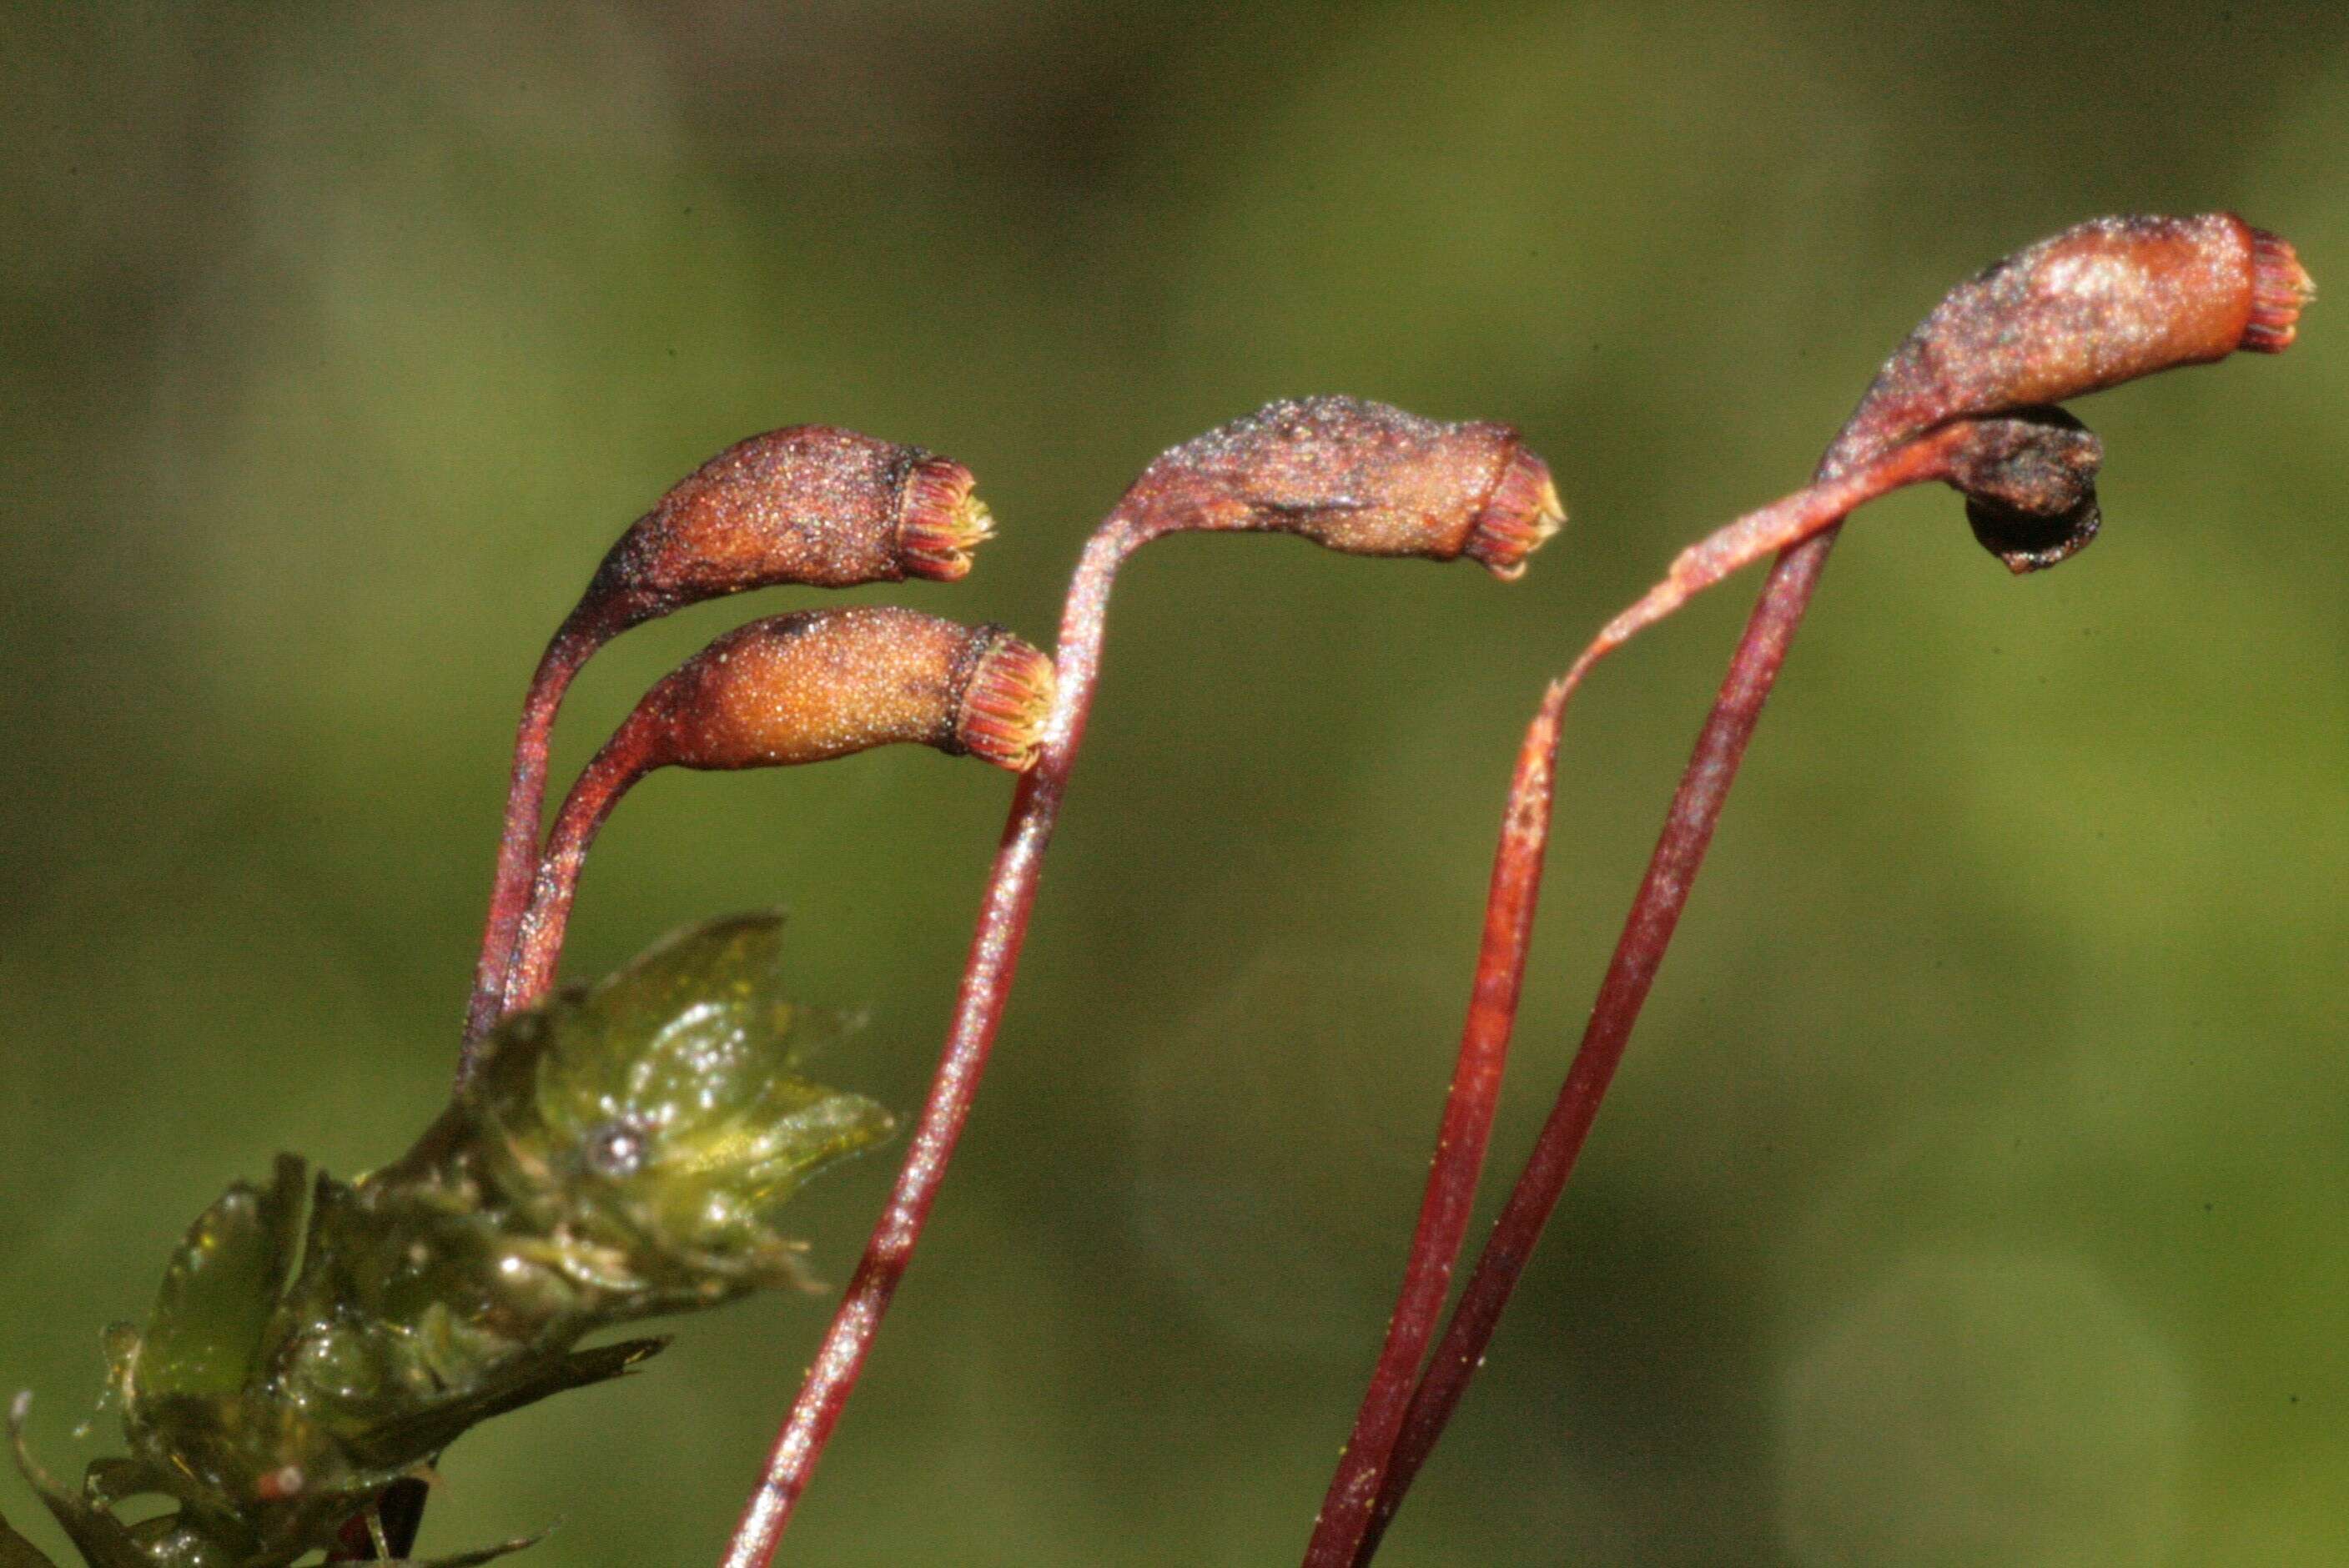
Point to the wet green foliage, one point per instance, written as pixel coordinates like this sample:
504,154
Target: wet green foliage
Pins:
622,1153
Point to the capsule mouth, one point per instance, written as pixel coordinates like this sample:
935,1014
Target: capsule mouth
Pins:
940,521
2280,289
1005,704
1522,511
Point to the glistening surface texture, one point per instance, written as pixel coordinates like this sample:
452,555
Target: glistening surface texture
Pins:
343,343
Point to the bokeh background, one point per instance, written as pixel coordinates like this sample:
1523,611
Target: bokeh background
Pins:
1977,1190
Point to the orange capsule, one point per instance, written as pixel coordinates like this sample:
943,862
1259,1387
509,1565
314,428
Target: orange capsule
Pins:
811,505
787,691
821,684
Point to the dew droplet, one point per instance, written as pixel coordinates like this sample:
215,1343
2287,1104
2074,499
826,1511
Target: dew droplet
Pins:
616,1149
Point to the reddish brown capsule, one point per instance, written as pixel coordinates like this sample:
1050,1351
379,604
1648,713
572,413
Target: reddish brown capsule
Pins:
2097,304
1364,479
804,688
812,504
821,684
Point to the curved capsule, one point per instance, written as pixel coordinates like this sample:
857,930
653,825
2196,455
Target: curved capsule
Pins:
820,683
2102,303
791,689
1366,479
812,504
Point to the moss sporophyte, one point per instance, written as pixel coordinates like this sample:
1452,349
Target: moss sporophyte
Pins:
623,1151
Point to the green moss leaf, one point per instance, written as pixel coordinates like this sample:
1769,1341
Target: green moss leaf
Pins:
205,1336
469,1559
432,1429
15,1551
97,1535
660,1117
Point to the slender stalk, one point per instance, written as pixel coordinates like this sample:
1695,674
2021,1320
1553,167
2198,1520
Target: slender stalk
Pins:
1460,1144
986,987
1779,526
510,885
1387,1450
1647,932
510,888
538,935
1149,510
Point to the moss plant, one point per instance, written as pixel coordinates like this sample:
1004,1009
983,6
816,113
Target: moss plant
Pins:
623,1151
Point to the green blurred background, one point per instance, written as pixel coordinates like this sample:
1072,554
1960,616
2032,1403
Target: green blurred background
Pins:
1977,1190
